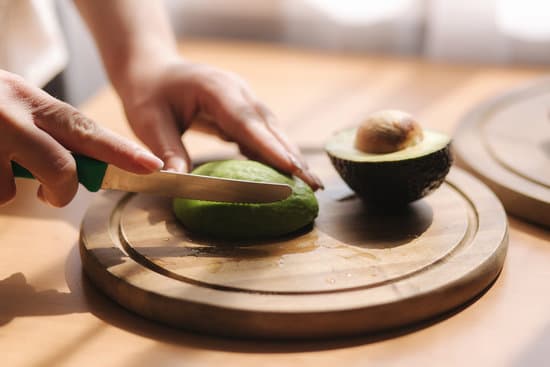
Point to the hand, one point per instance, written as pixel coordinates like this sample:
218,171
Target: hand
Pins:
162,102
38,131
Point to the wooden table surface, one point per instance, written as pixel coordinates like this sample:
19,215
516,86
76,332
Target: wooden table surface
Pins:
50,314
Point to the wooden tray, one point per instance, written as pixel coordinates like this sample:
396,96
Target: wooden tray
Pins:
506,142
355,271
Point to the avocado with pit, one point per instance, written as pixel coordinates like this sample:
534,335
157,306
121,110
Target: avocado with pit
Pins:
244,221
389,160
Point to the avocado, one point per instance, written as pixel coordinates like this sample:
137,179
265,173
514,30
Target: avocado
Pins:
396,177
241,221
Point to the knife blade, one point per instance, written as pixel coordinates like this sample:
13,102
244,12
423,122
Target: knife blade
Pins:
95,175
197,187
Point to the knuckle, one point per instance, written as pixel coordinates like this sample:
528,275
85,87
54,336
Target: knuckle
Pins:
210,85
260,106
11,79
231,76
64,117
15,89
234,79
15,119
63,182
214,80
246,114
46,109
82,126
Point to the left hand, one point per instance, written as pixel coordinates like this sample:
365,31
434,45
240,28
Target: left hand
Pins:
163,101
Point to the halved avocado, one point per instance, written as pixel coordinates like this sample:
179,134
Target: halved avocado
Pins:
396,178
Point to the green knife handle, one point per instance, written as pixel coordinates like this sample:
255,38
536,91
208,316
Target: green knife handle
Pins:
90,171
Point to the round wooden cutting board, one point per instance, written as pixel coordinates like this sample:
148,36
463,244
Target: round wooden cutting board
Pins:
354,271
506,143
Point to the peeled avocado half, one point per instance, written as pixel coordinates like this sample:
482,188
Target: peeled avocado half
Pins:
239,221
394,178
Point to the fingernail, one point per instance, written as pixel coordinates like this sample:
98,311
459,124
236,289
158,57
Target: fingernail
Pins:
318,181
302,168
302,171
149,160
317,184
176,165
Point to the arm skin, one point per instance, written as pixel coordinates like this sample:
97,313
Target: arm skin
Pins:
163,93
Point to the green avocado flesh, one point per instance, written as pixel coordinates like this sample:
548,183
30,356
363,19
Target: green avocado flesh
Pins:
396,178
236,221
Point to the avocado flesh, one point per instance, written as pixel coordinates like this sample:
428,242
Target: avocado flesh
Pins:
240,221
396,178
341,145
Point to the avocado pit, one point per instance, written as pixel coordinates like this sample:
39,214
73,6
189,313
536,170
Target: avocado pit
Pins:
387,131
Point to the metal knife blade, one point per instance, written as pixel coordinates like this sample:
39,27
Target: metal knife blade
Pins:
195,186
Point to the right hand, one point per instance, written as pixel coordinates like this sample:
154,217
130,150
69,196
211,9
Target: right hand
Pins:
163,99
39,132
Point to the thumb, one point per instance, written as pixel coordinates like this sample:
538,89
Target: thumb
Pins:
157,128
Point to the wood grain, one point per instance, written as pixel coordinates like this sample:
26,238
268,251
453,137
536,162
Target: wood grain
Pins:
506,142
47,302
355,271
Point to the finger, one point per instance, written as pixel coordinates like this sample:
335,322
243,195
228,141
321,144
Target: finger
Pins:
158,129
50,163
247,127
274,128
303,169
80,134
250,154
241,122
298,167
7,183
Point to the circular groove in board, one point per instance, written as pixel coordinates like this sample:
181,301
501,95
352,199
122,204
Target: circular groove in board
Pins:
506,142
454,262
348,249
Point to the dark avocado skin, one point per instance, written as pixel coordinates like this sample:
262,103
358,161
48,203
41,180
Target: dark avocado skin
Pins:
395,183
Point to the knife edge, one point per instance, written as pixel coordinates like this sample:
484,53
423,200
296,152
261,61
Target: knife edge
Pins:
191,186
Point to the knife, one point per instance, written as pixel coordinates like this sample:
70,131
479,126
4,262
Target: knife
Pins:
94,175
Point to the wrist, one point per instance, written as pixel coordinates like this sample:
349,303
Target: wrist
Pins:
137,69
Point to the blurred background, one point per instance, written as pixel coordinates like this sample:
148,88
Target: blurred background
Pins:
467,31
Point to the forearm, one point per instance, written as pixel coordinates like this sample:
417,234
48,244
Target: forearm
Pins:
132,36
163,94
